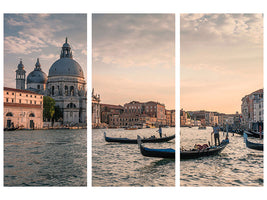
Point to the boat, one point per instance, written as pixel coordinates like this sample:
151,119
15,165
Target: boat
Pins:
202,127
254,134
10,129
151,139
131,128
209,151
252,145
158,153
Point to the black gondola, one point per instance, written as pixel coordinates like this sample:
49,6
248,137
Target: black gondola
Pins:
157,153
254,134
134,141
210,151
252,145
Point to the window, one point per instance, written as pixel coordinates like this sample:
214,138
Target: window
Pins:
38,87
19,100
9,114
34,102
20,94
6,99
32,115
12,100
12,93
30,101
26,95
31,95
6,92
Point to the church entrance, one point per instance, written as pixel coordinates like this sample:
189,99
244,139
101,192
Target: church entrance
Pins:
32,124
9,123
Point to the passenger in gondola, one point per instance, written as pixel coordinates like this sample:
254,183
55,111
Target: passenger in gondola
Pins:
215,131
160,131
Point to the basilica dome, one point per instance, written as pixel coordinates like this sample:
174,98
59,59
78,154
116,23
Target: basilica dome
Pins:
37,75
66,65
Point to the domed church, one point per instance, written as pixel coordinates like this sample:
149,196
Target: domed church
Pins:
36,80
66,84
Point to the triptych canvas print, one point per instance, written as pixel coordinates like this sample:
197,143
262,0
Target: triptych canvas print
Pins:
122,100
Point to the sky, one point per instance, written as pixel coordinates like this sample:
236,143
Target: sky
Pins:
134,58
32,36
221,60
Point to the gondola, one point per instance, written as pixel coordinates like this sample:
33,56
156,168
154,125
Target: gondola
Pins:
134,141
252,145
158,153
210,151
254,134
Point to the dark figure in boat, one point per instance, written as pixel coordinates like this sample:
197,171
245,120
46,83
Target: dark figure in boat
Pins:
160,131
215,131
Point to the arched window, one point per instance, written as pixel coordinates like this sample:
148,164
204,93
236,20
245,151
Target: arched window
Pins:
32,115
66,90
53,90
9,114
71,105
71,90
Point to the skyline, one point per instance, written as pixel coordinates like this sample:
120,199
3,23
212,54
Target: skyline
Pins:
134,58
221,60
32,36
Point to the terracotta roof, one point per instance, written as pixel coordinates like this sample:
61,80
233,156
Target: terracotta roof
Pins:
19,90
22,105
112,106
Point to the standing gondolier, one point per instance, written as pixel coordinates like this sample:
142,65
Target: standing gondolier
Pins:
215,131
160,131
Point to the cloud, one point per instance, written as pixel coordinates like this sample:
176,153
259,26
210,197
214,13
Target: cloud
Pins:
134,40
224,28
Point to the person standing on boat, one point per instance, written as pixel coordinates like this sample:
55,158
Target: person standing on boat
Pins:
215,131
160,131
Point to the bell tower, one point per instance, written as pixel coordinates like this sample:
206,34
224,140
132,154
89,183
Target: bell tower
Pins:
20,76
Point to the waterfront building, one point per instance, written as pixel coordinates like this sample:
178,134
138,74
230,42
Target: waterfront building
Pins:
96,115
247,108
108,110
37,79
170,117
22,109
20,76
183,117
151,109
66,85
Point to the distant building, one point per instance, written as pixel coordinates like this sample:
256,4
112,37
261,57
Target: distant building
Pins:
108,110
249,115
96,117
170,117
183,118
20,76
22,109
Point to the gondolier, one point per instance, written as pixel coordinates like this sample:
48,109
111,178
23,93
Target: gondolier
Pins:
160,131
215,131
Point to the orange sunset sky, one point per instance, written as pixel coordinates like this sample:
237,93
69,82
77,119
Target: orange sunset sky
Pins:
133,58
221,59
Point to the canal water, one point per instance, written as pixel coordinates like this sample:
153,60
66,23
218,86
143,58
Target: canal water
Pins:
45,158
236,165
115,164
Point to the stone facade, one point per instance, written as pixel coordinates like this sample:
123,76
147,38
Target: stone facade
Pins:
22,109
95,110
66,84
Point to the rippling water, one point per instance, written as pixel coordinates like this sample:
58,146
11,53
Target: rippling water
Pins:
45,158
115,164
236,165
